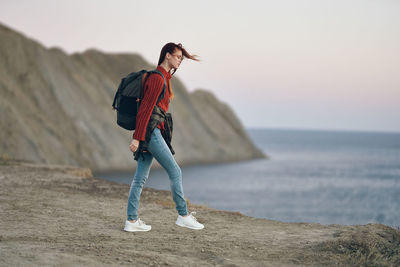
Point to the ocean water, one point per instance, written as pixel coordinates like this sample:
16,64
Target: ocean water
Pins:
328,177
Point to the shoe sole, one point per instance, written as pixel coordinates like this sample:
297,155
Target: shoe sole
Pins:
137,230
182,225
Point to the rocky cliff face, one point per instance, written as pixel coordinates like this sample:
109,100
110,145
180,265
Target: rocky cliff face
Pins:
56,108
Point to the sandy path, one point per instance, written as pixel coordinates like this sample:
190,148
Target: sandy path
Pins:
55,215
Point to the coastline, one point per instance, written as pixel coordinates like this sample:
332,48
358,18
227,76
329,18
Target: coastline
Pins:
61,214
157,166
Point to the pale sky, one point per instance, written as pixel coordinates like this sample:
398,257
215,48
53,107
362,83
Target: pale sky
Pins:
311,64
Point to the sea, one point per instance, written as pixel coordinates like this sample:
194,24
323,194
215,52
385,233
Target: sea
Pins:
312,176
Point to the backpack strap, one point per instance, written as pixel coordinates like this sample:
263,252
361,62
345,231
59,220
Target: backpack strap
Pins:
117,93
162,94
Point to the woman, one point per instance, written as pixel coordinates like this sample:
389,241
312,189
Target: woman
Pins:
151,143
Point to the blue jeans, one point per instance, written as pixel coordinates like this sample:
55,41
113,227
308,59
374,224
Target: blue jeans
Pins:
159,150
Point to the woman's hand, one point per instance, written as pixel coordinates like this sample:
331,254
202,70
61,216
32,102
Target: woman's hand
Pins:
134,145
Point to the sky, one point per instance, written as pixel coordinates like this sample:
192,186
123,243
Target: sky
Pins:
301,64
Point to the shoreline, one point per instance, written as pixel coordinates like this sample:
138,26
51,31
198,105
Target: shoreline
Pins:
181,164
61,214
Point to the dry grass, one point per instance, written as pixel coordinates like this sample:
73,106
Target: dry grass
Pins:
366,246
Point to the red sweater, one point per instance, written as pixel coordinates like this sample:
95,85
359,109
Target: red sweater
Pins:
152,89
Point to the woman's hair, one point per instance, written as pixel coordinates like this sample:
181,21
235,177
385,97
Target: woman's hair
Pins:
170,48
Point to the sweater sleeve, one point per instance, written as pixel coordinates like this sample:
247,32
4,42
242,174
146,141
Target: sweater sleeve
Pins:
152,90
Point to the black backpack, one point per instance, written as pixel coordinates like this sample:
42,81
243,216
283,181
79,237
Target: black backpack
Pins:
129,95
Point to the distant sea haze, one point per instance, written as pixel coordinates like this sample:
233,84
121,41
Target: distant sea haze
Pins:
328,177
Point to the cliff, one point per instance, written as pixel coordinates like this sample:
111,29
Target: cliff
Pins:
58,215
56,108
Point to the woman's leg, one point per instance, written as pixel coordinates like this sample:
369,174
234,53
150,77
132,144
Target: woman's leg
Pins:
141,175
160,151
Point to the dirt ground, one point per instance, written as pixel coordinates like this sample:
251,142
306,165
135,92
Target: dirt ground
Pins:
58,215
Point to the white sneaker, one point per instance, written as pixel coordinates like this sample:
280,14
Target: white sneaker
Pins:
137,226
189,222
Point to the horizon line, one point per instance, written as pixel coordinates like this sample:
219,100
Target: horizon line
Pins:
321,129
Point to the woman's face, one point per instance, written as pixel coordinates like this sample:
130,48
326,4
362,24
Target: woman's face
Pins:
176,58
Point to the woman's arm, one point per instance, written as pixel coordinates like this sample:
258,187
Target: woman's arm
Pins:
152,90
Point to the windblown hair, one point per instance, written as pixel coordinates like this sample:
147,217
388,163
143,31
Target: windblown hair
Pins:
170,48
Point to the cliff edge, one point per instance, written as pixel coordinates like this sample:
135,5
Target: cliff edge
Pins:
56,215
